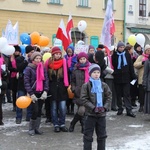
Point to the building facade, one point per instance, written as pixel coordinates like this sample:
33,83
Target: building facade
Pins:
44,16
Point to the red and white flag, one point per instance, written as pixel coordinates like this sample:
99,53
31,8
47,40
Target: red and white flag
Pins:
62,34
69,27
108,26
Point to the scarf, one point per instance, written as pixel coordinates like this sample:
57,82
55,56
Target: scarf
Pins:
39,77
119,59
84,67
145,57
1,63
56,64
13,63
66,82
97,88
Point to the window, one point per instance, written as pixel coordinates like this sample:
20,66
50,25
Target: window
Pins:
30,0
83,3
142,8
105,4
54,1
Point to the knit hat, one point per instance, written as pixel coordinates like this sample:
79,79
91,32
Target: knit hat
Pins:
91,47
34,55
94,67
100,46
29,48
55,50
82,54
120,44
146,47
17,48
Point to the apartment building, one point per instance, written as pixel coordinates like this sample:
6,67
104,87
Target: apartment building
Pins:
44,17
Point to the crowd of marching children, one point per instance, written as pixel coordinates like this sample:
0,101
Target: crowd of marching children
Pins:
101,80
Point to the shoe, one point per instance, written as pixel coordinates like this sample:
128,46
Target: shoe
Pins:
134,104
1,123
120,112
9,101
27,119
71,128
131,114
114,109
141,109
14,109
18,121
57,129
64,129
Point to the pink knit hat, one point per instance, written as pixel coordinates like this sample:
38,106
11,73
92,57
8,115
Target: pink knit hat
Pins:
82,54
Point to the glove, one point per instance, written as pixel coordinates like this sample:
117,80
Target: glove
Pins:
34,98
44,95
99,110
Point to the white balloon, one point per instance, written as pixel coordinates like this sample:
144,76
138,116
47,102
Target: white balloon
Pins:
3,42
8,50
82,25
140,39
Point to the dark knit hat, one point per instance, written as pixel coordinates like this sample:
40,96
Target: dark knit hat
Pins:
82,54
120,44
94,67
29,48
55,50
17,48
34,55
100,46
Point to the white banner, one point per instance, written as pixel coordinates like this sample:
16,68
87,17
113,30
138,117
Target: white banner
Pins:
81,48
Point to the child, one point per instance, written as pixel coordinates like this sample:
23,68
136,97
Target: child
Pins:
96,97
79,77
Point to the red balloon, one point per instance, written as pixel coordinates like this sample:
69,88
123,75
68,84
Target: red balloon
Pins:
23,102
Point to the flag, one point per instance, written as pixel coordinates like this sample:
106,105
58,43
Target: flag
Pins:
69,27
108,26
62,34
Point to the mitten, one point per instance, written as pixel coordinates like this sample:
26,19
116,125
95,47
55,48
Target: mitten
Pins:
44,95
34,98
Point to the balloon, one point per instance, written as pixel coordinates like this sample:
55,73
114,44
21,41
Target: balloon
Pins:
132,40
43,41
46,56
25,38
3,43
140,39
23,51
70,94
82,25
35,36
23,101
8,50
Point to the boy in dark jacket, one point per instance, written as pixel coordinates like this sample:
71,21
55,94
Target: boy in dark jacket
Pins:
96,97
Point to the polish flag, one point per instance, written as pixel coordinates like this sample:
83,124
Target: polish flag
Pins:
69,27
62,34
112,26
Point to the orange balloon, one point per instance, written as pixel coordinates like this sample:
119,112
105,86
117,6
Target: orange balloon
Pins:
43,41
35,37
23,102
70,94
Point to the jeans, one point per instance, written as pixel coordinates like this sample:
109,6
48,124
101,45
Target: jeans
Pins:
58,111
19,111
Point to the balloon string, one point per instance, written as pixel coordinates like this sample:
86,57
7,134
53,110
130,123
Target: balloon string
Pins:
47,96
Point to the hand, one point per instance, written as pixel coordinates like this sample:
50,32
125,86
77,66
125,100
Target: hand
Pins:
44,95
34,98
99,110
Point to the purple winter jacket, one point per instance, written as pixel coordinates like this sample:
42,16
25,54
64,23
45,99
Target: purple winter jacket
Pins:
30,79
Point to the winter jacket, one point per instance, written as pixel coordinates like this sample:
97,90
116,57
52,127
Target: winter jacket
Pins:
88,99
126,73
30,80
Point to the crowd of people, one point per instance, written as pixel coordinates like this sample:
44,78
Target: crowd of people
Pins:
101,80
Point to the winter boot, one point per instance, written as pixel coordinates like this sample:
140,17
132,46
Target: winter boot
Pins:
37,125
32,127
74,121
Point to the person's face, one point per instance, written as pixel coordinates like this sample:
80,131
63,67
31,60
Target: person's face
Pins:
131,51
37,59
69,52
30,53
95,74
82,60
147,51
57,56
121,48
139,48
91,51
17,53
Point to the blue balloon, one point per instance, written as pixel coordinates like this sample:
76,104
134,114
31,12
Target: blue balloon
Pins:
23,51
25,38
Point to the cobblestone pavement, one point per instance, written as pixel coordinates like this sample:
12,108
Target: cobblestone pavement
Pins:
124,133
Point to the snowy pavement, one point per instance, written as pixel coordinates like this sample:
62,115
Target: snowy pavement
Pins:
124,133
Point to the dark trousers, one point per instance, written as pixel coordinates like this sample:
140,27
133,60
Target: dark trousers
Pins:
1,112
99,124
70,105
48,108
141,95
123,90
36,107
